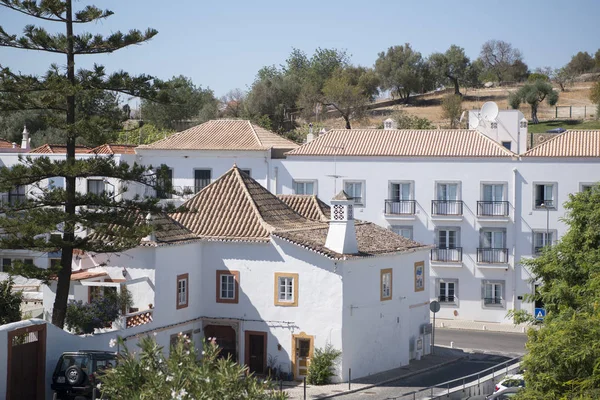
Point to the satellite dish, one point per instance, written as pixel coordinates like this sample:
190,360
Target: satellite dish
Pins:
473,120
489,111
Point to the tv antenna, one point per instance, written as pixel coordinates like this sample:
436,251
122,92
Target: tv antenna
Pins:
335,175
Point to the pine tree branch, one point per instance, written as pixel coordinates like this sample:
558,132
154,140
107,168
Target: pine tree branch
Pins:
32,9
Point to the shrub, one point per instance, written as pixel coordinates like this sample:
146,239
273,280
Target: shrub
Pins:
406,121
452,109
10,303
85,317
321,366
538,76
151,375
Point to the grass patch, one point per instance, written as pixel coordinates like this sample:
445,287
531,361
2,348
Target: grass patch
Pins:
571,124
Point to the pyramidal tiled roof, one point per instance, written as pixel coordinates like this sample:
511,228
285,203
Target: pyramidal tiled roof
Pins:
403,143
223,134
236,207
309,206
583,143
114,149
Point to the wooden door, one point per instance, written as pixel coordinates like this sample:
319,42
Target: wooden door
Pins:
303,346
226,339
256,351
26,363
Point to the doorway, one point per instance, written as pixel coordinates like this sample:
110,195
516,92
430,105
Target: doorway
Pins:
225,336
26,363
256,351
303,346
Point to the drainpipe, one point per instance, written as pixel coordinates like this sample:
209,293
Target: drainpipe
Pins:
516,215
267,161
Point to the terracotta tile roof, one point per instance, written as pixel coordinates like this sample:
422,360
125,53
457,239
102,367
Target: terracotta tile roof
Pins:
569,144
236,207
223,135
58,149
114,149
372,240
5,144
403,143
81,275
309,206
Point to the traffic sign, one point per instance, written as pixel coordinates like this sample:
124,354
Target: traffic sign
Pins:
434,306
540,314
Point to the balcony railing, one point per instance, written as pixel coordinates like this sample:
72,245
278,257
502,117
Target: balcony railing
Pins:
447,207
400,207
492,255
492,208
447,255
447,299
539,203
138,318
492,300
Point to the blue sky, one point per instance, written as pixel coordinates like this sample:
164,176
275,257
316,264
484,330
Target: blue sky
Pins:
222,44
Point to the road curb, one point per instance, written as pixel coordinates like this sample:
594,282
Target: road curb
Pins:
392,379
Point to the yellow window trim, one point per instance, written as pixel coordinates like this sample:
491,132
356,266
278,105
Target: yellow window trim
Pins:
294,302
382,273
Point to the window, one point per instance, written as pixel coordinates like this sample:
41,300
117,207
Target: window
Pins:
228,286
95,186
493,192
404,231
6,263
400,191
447,199
385,284
164,183
305,187
246,171
493,200
286,289
545,195
493,293
447,191
355,189
586,187
447,238
492,247
493,239
16,195
201,179
182,291
541,240
447,291
507,145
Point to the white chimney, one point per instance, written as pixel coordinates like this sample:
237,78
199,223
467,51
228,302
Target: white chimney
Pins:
341,236
389,124
523,136
310,137
151,237
26,141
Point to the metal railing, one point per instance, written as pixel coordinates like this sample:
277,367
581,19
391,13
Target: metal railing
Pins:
543,204
447,299
492,208
447,255
470,385
447,207
492,255
400,207
492,300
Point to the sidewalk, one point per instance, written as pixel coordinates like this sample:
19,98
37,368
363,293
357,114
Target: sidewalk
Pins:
442,356
481,326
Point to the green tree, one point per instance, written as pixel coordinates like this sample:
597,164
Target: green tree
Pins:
349,91
406,121
187,102
538,76
29,224
597,58
233,104
183,375
563,77
10,302
595,97
452,109
402,70
562,357
451,67
534,94
501,59
581,63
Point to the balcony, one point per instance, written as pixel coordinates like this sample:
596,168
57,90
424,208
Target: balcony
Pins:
492,301
400,207
447,255
492,255
447,207
492,208
447,299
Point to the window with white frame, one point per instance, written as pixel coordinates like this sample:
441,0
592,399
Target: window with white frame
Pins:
286,289
585,187
96,186
305,187
545,195
182,290
448,291
356,190
447,191
542,239
227,286
448,238
493,238
400,191
385,276
493,293
404,231
493,192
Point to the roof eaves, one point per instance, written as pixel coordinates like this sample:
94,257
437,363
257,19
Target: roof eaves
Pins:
254,132
537,148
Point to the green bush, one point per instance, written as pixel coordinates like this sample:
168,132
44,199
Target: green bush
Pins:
183,375
10,303
85,317
406,121
321,366
537,76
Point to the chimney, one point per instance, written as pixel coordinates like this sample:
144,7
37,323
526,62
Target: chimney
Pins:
310,137
322,131
341,236
389,124
26,141
151,237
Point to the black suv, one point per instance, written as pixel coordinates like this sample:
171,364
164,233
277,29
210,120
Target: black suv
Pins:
77,374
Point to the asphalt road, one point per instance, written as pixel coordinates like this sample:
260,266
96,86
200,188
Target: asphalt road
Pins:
396,389
509,344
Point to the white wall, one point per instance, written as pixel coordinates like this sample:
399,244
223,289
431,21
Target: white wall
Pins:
377,334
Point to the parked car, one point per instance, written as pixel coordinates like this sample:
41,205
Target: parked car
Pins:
505,394
510,381
77,373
